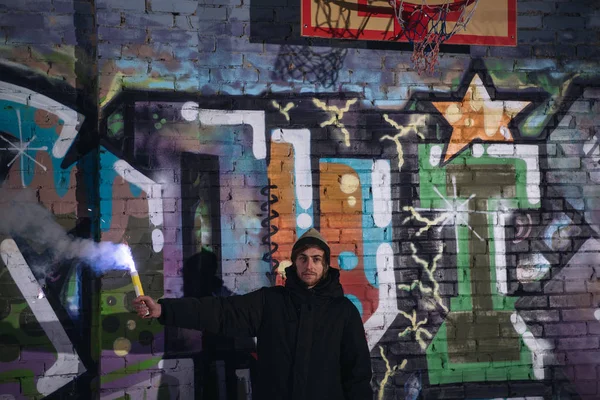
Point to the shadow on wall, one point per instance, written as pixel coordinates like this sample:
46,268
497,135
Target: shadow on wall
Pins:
217,367
312,64
314,60
311,59
200,276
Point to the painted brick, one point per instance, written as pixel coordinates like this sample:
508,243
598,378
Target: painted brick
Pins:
585,357
232,44
122,35
21,19
358,59
109,51
368,76
33,36
574,36
190,38
565,163
109,18
554,51
185,22
235,75
239,14
287,14
535,36
217,28
213,14
535,7
149,20
27,5
588,342
563,22
206,44
129,5
238,28
529,21
62,7
541,315
174,6
69,38
235,3
588,52
263,14
520,51
479,51
573,8
267,28
572,329
593,20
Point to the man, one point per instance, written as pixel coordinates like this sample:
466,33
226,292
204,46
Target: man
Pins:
310,338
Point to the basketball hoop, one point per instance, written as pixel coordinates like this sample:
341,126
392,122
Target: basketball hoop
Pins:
427,26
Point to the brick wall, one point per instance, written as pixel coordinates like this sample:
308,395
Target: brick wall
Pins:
460,206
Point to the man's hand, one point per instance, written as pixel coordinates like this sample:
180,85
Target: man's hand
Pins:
146,307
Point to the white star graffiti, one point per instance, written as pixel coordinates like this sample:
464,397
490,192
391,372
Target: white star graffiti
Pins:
455,212
21,150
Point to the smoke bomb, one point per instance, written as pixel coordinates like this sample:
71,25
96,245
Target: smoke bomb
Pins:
22,217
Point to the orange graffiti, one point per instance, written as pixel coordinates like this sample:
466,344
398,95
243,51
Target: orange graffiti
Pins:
341,225
478,117
281,175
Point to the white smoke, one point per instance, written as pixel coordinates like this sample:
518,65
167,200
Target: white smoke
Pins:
22,217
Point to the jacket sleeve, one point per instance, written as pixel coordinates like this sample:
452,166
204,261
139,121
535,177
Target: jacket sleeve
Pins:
356,359
229,316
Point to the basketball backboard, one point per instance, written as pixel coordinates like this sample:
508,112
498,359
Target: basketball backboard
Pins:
493,22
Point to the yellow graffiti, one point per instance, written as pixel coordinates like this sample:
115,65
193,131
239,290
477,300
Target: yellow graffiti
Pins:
402,131
283,110
389,372
428,222
429,270
416,328
414,284
110,87
336,115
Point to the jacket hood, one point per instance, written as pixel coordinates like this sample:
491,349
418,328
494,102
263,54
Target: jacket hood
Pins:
312,237
329,286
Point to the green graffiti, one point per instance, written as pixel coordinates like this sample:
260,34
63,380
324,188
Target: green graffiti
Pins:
160,123
118,318
477,341
130,369
116,126
25,377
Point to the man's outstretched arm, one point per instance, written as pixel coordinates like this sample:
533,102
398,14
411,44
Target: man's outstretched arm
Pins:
229,316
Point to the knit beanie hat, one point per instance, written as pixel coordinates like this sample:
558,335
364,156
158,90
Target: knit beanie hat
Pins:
311,237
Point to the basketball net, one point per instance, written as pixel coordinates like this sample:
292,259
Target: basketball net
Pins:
428,26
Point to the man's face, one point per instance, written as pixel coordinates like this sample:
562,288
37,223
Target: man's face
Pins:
310,265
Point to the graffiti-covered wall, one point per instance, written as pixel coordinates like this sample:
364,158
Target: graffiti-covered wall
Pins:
206,136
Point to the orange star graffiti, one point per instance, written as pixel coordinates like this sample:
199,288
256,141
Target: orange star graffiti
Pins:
478,117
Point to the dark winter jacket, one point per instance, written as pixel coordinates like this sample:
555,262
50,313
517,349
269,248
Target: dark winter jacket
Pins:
311,342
